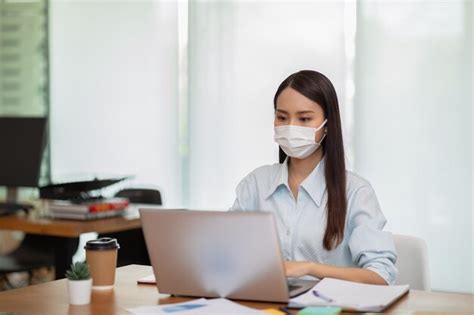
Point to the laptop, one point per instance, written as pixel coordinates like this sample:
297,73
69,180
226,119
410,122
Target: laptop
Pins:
233,254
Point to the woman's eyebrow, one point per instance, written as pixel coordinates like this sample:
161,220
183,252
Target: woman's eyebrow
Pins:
299,113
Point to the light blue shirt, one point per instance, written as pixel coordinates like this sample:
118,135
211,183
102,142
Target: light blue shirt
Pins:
301,223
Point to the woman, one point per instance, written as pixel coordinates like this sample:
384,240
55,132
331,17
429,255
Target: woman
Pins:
329,220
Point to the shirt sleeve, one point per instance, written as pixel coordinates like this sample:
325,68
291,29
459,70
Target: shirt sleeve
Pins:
371,247
245,195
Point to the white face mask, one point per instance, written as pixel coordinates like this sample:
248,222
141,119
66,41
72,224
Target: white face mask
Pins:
298,142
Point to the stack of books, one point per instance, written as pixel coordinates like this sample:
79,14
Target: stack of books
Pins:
88,210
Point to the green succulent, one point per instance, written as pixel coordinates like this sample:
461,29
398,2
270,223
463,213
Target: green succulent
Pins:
78,271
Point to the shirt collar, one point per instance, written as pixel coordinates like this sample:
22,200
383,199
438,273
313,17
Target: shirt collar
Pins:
281,178
314,184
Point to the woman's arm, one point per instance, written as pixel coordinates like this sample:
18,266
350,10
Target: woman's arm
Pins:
302,268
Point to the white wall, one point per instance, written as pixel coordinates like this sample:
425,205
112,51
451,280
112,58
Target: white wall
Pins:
413,126
114,91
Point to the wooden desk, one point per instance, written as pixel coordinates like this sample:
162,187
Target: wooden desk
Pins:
52,298
64,234
67,228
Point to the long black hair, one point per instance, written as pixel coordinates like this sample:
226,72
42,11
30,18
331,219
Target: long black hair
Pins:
319,89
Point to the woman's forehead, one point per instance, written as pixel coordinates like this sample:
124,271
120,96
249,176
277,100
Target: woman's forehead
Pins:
292,101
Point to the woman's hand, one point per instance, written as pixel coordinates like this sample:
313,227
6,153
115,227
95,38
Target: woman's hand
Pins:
318,270
299,268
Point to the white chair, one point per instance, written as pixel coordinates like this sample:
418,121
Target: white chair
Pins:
412,262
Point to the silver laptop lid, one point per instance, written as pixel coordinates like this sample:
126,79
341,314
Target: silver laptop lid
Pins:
215,254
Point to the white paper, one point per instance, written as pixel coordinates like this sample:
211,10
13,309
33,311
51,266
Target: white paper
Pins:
351,295
212,306
150,279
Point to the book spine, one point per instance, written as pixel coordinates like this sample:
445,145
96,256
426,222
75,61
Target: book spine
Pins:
69,208
86,216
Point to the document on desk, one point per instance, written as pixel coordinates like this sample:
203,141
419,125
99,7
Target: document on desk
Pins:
350,296
150,279
196,307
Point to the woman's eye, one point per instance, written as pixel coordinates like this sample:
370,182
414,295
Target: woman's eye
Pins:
305,119
281,118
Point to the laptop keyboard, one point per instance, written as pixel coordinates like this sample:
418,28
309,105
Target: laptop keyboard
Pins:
292,287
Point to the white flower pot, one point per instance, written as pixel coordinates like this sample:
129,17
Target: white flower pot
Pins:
79,291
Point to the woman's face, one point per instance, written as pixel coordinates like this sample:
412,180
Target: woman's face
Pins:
296,109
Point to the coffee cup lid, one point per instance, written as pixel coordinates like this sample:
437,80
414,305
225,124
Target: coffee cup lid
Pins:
102,243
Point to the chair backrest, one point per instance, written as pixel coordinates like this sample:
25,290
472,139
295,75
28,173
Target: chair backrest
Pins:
412,262
138,195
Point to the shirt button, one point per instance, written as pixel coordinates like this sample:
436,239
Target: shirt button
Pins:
287,232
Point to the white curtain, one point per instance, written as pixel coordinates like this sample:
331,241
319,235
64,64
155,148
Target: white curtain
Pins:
114,92
413,125
239,52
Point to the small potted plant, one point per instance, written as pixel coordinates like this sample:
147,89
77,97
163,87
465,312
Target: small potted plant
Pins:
79,283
